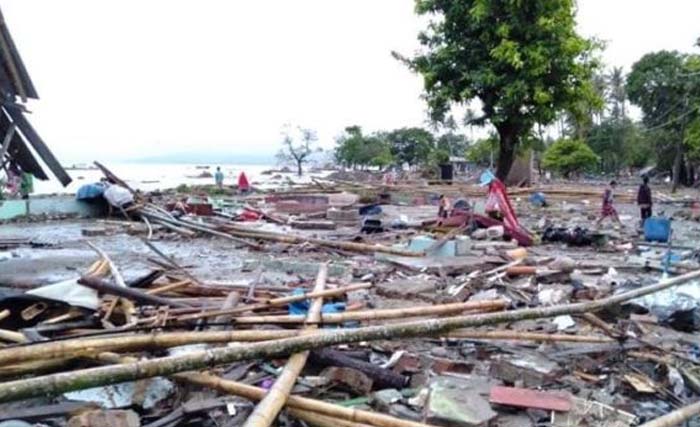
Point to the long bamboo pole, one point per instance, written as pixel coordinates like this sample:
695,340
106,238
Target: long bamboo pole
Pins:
676,417
391,313
313,405
348,246
277,302
525,336
92,377
318,420
267,410
131,342
85,346
297,402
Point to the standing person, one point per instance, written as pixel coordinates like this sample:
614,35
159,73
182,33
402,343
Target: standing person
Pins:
644,199
219,177
608,209
26,186
243,185
444,206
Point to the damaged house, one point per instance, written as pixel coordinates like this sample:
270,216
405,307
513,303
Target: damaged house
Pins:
21,144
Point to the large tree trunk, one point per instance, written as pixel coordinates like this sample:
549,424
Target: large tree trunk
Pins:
506,151
299,171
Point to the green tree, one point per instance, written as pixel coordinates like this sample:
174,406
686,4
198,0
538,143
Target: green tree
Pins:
523,60
298,150
620,143
617,93
482,151
411,145
568,156
667,89
354,149
453,143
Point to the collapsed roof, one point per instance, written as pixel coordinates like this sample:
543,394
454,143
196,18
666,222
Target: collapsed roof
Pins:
16,133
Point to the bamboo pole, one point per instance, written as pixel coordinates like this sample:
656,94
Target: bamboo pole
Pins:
348,246
277,302
267,410
127,293
197,227
169,287
127,305
298,402
526,336
392,313
92,377
131,342
318,420
676,417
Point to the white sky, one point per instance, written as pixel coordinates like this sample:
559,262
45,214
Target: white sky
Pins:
124,79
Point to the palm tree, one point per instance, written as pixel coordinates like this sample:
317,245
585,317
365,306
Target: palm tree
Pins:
617,95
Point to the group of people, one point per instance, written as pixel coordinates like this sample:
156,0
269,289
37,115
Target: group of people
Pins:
18,182
497,201
644,201
243,184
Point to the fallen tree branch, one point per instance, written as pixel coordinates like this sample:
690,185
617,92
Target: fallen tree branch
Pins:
50,385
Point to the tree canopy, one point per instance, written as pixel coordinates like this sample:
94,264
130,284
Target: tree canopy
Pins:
355,149
666,86
568,156
411,145
523,61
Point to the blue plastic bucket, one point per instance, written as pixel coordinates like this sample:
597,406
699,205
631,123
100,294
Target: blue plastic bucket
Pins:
657,229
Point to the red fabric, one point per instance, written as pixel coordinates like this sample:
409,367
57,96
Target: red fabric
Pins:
608,210
498,201
243,182
248,215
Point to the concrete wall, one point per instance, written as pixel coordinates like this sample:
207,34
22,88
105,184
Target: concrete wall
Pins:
52,205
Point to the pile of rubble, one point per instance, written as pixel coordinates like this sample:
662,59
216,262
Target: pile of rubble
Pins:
334,320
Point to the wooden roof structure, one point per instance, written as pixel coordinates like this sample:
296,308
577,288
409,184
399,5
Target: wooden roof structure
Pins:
16,133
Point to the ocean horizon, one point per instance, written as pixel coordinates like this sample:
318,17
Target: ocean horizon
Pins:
156,176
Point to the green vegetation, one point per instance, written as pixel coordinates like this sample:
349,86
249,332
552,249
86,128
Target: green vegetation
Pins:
568,156
356,150
482,151
523,61
666,86
412,146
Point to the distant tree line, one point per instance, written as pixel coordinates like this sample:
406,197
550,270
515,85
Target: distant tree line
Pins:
412,146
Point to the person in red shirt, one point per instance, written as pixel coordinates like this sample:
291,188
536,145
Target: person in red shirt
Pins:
608,209
243,185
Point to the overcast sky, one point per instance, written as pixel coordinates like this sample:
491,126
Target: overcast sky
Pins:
133,78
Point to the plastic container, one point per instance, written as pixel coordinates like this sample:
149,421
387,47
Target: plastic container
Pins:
657,229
